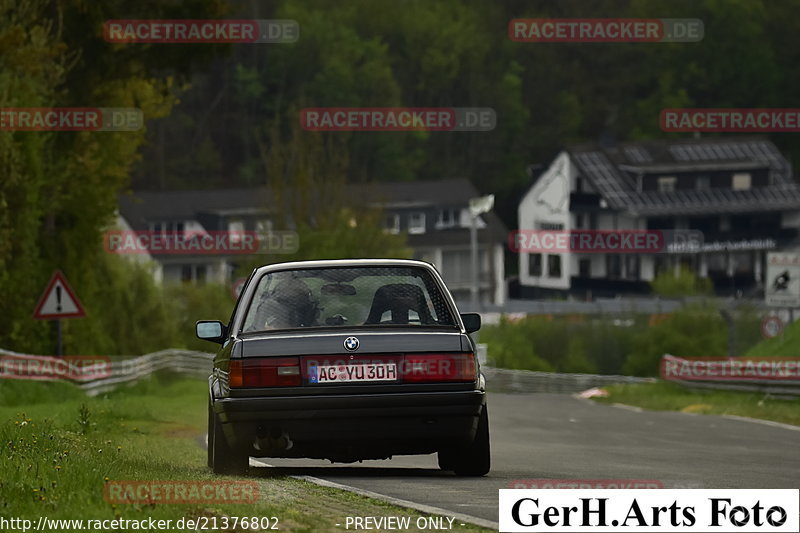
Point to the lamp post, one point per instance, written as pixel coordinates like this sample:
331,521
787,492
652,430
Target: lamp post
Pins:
477,206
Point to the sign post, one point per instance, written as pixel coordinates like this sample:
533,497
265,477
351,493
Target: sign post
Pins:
477,206
58,301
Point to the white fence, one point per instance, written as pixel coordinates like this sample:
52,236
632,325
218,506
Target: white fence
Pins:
129,369
504,380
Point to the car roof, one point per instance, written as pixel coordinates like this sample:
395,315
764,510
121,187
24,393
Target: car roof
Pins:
339,263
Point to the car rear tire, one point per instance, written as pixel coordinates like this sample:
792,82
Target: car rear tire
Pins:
473,460
222,458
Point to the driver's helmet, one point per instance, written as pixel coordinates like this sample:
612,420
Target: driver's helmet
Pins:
289,304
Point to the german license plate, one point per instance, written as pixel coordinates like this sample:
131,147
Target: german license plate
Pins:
352,373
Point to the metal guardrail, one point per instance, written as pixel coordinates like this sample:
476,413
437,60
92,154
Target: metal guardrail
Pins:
646,305
130,369
505,380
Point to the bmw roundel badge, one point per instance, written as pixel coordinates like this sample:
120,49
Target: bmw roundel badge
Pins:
351,344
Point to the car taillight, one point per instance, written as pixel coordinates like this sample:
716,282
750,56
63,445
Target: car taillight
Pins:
265,372
427,368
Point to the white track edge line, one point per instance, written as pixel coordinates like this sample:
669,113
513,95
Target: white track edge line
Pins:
429,509
771,423
761,421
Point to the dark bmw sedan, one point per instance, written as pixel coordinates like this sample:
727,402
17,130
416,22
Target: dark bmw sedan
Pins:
346,360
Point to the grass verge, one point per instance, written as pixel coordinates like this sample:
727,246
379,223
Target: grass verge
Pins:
662,396
60,448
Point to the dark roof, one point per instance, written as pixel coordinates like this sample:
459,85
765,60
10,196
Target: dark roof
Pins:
445,192
612,171
140,207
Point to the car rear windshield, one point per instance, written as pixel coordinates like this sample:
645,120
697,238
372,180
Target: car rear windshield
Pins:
347,297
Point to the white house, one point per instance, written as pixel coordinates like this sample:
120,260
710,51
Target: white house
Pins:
737,192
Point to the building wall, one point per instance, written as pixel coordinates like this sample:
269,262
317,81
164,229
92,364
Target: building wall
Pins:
454,264
547,202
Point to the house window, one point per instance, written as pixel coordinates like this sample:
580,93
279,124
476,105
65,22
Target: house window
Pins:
613,266
585,268
586,221
550,226
194,274
391,223
632,266
235,230
448,218
457,267
416,223
667,183
716,265
741,181
703,183
535,265
661,264
743,263
166,227
554,266
200,272
263,227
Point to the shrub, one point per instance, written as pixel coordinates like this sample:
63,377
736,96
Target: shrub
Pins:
694,331
685,283
560,344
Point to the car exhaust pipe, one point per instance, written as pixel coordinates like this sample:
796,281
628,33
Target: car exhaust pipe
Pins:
276,440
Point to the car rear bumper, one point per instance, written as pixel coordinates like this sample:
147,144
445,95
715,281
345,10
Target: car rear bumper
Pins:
361,425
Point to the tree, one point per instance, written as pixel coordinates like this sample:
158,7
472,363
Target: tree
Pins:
58,190
306,182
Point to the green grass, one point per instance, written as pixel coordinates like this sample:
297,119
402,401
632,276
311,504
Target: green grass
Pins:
785,345
663,396
60,448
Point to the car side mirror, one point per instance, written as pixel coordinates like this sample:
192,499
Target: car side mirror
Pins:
472,322
210,330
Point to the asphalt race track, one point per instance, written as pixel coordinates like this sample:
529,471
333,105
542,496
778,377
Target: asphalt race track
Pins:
557,436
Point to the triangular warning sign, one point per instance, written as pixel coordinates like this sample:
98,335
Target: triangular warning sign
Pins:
58,300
